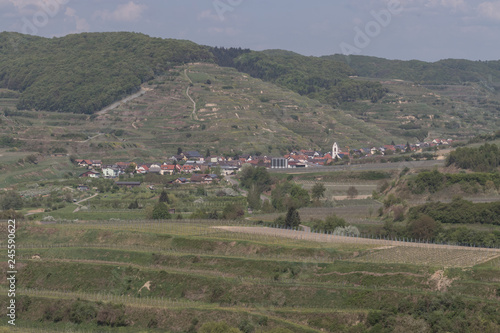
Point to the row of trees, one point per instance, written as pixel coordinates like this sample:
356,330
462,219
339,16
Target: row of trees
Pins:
433,181
485,158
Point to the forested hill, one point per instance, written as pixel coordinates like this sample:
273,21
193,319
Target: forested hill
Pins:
319,78
83,73
448,71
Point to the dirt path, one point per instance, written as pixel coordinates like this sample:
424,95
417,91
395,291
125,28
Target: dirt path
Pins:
343,239
79,202
194,116
123,101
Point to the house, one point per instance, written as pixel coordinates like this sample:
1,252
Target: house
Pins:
193,155
169,169
155,168
229,169
189,168
96,164
90,174
203,178
111,171
84,163
143,169
181,180
82,188
389,148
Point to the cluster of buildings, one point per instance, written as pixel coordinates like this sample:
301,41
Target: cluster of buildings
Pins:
192,163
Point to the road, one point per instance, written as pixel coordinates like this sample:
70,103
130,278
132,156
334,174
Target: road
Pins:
363,167
307,235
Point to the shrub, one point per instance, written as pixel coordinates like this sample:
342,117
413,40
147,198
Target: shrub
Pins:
82,311
112,315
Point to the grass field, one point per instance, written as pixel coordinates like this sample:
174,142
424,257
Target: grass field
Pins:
152,276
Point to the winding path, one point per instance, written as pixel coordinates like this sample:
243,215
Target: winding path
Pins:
194,116
80,206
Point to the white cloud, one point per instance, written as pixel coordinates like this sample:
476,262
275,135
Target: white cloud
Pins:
124,13
81,24
208,15
490,10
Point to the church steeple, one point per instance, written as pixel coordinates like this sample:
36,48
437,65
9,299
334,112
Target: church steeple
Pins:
335,150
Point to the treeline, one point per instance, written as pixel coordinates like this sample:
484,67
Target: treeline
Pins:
224,57
433,181
485,158
448,71
83,73
460,211
319,78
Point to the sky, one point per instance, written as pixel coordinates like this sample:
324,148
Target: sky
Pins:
427,30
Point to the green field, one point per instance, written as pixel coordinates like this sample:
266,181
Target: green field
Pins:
156,276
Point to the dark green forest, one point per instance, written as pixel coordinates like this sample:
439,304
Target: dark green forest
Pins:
319,78
83,73
460,211
483,159
448,71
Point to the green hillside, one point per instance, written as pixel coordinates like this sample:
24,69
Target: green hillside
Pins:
84,73
448,71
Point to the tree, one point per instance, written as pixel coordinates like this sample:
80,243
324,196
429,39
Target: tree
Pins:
164,197
424,227
292,219
318,191
258,176
11,200
160,212
179,151
352,192
134,205
253,198
131,168
331,223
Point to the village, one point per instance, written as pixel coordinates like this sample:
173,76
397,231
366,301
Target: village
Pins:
196,168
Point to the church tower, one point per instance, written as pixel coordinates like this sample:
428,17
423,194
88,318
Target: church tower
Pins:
335,150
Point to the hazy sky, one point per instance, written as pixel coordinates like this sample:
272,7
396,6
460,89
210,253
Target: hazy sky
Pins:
397,29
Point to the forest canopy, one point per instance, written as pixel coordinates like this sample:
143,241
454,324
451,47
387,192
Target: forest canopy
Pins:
83,73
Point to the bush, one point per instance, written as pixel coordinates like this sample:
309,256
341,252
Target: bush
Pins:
233,211
331,223
82,311
112,315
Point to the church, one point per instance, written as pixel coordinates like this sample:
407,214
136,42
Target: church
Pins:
336,153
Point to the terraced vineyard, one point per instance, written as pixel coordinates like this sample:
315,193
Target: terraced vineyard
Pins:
157,276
